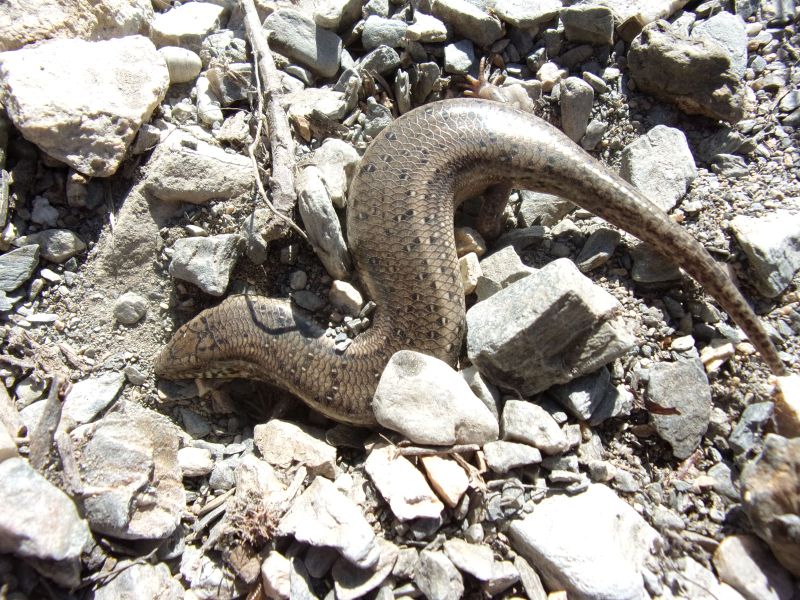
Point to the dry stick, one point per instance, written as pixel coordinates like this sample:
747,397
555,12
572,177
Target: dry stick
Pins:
280,135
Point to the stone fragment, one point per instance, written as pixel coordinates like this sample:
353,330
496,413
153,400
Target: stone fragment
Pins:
526,14
208,578
660,165
382,60
537,208
459,57
470,270
787,406
130,308
40,524
437,578
351,582
593,545
589,23
89,397
582,396
530,579
17,266
468,21
729,32
499,270
345,297
337,161
195,462
770,496
772,246
514,340
208,103
323,516
298,37
402,485
700,583
529,423
129,461
140,580
468,240
275,574
478,560
206,262
183,65
746,564
576,101
187,25
8,447
426,29
488,393
682,386
74,108
336,14
55,245
746,435
447,478
427,401
283,444
503,456
599,247
380,31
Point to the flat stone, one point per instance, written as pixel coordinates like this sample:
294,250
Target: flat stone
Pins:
459,57
17,266
447,478
576,101
426,29
437,578
55,245
187,25
350,582
283,444
526,14
745,563
478,560
468,21
141,580
589,23
89,397
499,270
298,37
502,456
380,31
529,423
206,262
195,462
729,32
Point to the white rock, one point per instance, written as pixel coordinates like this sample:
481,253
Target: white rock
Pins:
141,580
426,29
323,516
275,573
426,400
129,308
56,245
183,65
87,398
478,560
592,545
746,564
283,443
206,262
402,485
208,103
345,297
8,447
195,462
529,423
187,25
351,582
470,269
699,583
437,578
503,456
499,270
447,478
43,212
337,161
335,14
78,109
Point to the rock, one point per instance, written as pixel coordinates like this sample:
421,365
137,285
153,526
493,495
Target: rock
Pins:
588,23
17,266
787,406
186,169
76,111
337,161
382,60
283,444
651,268
308,300
187,25
478,560
26,21
598,248
55,245
195,462
323,516
427,401
437,578
345,297
502,456
336,14
322,223
275,574
209,579
746,436
660,165
40,524
530,580
526,422
550,74
299,38
576,107
377,118
537,208
183,65
514,341
746,564
468,21
426,29
697,75
682,386
469,241
351,582
89,397
8,447
470,270
729,32
44,213
130,308
208,103
592,545
206,262
129,461
700,583
379,31
227,85
402,485
499,270
488,393
459,57
582,396
140,580
526,14
770,489
447,478
772,246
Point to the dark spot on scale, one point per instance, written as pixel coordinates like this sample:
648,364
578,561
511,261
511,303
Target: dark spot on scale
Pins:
387,158
369,168
391,136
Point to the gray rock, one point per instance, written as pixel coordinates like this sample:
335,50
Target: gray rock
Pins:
223,474
141,580
599,247
772,246
423,77
537,208
595,131
351,582
379,31
323,516
593,545
40,524
515,342
129,308
377,117
469,21
437,578
17,266
697,75
723,481
225,46
382,60
729,32
530,579
275,575
129,461
44,213
336,14
526,422
283,444
195,462
426,29
746,564
337,162
660,165
651,268
682,386
459,57
503,456
729,166
56,245
478,560
576,107
299,38
488,393
746,436
308,300
208,578
87,398
583,395
588,23
526,14
206,262
499,270
187,26
427,401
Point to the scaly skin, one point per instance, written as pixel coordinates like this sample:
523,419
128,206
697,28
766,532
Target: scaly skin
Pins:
400,226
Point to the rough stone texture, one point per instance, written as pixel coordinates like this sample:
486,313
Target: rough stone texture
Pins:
183,65
746,564
771,498
187,25
447,478
529,423
426,400
503,456
129,461
87,398
787,406
660,165
548,328
79,110
592,545
323,516
129,308
588,23
700,583
576,107
282,443
499,270
478,560
195,462
772,246
526,14
337,162
39,523
206,262
350,582
729,32
299,38
684,387
379,31
141,581
56,245
25,21
437,578
697,75
336,14
468,20
17,266
459,57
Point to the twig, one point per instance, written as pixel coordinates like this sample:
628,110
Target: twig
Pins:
41,448
423,451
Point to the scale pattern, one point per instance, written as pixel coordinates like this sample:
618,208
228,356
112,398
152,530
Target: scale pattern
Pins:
400,228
